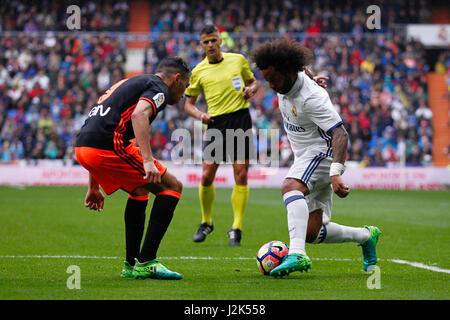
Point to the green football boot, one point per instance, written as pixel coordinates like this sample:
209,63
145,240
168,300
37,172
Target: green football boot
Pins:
127,271
293,262
369,248
155,270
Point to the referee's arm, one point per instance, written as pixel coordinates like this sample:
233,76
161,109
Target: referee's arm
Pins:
192,110
251,88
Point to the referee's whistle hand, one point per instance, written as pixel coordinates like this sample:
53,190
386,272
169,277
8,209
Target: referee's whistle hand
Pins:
205,118
247,93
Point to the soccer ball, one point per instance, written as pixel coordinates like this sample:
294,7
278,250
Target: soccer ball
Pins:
270,255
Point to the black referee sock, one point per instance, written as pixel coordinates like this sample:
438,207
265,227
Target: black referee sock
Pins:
160,218
134,227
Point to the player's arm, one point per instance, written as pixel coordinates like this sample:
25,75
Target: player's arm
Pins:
339,145
320,110
251,88
94,198
140,119
192,110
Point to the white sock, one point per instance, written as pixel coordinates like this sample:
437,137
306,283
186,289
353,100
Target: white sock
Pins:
297,218
336,233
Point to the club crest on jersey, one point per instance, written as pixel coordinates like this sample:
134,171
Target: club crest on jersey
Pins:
294,110
159,99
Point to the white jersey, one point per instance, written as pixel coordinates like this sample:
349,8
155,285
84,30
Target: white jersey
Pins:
309,117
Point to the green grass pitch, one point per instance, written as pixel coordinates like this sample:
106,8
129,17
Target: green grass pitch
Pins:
44,230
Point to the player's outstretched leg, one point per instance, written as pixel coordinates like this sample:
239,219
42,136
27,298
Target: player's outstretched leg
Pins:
293,262
155,270
369,248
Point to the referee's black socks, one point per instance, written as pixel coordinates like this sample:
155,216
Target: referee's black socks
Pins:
160,218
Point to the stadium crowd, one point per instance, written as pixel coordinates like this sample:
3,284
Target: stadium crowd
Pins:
47,86
33,15
376,82
283,16
49,83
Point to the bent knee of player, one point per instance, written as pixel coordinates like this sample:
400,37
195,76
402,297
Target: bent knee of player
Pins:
173,184
290,184
178,186
139,192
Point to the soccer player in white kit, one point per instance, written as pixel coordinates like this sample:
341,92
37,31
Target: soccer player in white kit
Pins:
319,142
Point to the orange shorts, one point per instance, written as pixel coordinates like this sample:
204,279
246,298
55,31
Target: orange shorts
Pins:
112,171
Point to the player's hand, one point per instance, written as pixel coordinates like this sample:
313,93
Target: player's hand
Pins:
339,187
322,81
94,200
152,174
205,118
248,93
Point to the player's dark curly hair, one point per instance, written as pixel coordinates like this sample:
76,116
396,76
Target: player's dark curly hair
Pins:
285,55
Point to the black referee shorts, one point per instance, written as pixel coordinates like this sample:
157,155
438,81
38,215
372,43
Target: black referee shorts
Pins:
229,138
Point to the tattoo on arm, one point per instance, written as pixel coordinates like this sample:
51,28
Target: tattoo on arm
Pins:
339,144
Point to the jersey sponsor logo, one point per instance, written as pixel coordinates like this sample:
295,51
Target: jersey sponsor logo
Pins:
293,127
237,83
98,110
159,99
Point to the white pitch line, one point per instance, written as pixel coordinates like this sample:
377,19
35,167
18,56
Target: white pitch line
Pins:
58,257
167,258
398,261
420,265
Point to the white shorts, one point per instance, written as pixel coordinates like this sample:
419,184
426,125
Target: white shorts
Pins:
313,169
